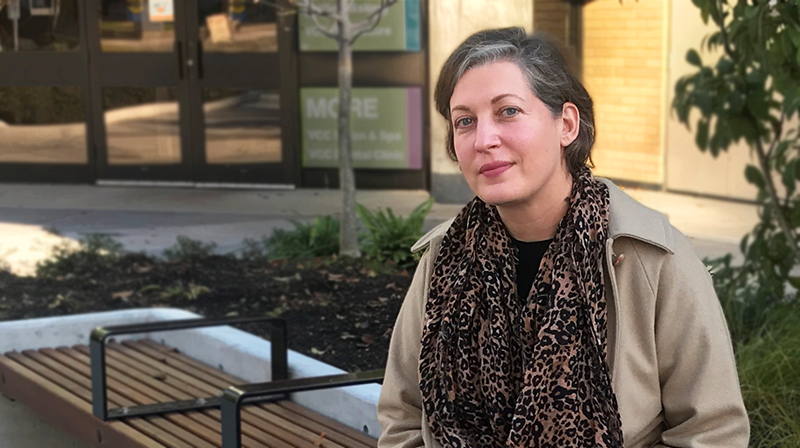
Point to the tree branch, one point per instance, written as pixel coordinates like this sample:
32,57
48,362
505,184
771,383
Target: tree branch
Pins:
720,21
783,224
329,32
369,24
778,136
308,7
315,12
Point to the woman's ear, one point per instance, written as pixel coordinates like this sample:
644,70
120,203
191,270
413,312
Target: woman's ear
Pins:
571,120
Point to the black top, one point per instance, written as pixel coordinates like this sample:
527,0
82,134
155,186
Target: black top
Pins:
530,256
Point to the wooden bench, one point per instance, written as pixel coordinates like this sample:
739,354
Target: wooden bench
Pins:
145,382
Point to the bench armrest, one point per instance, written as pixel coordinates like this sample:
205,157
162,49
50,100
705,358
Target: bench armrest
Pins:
234,397
278,361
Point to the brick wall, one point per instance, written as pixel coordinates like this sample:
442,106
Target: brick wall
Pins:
623,67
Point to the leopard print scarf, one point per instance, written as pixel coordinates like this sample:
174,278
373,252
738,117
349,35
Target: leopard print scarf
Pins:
498,371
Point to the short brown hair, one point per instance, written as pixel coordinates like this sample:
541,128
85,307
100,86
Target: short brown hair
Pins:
547,73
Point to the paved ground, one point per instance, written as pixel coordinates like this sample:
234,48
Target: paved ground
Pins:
20,428
150,219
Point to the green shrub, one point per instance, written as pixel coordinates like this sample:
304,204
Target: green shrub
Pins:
769,372
746,304
390,236
94,251
189,250
319,238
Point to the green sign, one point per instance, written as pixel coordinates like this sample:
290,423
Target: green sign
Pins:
385,126
398,29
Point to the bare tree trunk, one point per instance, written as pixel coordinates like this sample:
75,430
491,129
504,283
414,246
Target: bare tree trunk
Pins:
348,237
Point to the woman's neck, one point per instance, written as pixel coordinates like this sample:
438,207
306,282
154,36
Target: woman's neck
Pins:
537,219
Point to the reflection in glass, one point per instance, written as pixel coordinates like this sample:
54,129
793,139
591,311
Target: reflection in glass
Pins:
142,125
144,26
38,25
237,26
42,125
242,126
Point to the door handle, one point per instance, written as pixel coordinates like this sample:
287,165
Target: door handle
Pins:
179,55
199,58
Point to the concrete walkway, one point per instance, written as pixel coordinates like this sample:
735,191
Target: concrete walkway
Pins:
21,428
150,219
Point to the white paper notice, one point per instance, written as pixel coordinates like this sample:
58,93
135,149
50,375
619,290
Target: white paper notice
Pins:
161,11
219,27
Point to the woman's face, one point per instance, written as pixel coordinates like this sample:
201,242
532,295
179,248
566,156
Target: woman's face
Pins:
508,144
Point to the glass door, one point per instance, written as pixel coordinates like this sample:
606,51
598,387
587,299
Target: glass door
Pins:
191,91
240,85
139,63
44,131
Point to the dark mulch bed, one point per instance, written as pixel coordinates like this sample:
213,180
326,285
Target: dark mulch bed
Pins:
339,312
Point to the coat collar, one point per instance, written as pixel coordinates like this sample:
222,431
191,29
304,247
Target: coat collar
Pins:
627,218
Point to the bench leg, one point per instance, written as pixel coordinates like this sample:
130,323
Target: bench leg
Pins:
231,423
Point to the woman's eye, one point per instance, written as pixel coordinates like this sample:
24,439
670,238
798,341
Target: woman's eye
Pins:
461,122
510,111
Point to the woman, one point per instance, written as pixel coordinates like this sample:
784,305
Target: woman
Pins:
554,310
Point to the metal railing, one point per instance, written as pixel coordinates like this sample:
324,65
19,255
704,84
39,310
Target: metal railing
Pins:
100,335
233,398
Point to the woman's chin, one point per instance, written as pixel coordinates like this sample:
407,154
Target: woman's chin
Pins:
497,195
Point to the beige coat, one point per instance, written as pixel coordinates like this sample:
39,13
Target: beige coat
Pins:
669,349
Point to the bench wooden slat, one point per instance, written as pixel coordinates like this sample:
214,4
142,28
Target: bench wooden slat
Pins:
206,429
313,421
70,382
166,431
209,418
258,428
65,410
214,384
287,431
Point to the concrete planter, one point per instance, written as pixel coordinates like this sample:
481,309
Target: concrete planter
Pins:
233,351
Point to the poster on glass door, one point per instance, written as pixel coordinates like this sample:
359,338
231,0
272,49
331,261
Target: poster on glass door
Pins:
161,11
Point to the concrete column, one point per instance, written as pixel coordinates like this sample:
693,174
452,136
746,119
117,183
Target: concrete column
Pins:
451,22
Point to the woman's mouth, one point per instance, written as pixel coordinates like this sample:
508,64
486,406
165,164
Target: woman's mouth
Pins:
494,169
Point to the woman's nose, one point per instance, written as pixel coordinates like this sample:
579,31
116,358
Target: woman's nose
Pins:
486,136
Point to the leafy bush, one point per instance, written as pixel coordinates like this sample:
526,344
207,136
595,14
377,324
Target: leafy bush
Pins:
746,304
319,238
189,250
391,236
93,251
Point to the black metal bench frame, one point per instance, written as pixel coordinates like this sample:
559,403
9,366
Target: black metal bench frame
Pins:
231,399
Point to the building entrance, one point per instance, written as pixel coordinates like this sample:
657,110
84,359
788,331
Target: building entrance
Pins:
190,90
177,91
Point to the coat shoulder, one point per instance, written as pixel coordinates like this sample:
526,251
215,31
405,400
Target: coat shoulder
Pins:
435,233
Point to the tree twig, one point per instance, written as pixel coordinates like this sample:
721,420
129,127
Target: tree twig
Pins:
308,7
720,21
778,135
315,12
369,24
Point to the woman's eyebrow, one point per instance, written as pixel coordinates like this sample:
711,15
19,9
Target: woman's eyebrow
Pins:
503,95
494,101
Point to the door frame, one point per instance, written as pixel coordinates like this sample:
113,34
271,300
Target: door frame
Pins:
263,71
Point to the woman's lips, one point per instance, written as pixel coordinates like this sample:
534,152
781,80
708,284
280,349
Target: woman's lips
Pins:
494,169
